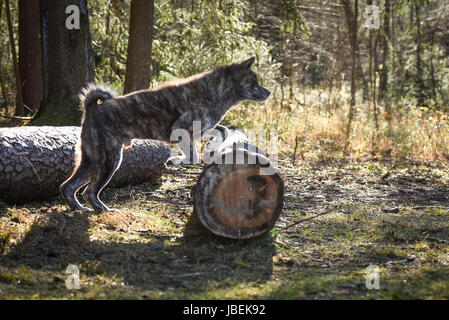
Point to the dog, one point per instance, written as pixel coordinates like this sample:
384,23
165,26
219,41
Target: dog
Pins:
110,122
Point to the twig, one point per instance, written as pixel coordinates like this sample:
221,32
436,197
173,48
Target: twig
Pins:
194,274
15,117
397,209
307,219
426,207
438,240
32,167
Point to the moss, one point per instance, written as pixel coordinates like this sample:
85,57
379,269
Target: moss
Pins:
59,111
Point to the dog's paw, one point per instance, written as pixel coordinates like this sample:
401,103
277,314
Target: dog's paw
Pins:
108,211
181,161
175,161
86,209
80,208
114,211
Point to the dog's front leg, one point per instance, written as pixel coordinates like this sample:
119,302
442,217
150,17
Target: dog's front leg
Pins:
224,131
184,132
215,138
189,153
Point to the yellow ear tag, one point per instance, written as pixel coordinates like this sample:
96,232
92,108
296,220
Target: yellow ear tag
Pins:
99,101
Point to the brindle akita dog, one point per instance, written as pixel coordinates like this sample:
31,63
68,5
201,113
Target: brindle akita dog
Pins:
111,122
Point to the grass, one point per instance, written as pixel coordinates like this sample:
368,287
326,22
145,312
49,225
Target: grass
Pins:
156,249
313,125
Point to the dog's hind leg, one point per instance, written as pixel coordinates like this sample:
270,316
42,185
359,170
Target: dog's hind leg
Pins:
102,171
77,180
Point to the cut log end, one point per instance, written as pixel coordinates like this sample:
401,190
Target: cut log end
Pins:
237,201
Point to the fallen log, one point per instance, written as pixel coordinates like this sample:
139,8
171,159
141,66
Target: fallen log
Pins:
34,161
239,194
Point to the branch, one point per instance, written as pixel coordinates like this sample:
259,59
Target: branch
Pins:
15,117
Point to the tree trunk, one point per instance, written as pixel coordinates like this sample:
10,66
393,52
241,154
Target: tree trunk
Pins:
20,111
68,63
372,78
419,67
2,71
30,54
237,199
383,84
34,161
138,64
351,21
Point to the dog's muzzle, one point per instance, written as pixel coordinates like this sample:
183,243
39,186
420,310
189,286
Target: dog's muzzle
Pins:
261,94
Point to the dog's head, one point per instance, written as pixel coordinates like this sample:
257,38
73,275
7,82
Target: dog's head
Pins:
245,82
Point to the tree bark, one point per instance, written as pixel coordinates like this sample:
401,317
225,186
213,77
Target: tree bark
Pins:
138,64
2,71
351,21
236,199
68,63
34,161
372,77
30,54
20,111
419,65
383,83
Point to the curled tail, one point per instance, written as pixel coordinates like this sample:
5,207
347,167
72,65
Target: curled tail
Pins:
93,95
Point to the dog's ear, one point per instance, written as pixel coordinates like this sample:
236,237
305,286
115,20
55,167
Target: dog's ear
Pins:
248,63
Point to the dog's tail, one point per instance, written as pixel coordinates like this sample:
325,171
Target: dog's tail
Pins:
93,95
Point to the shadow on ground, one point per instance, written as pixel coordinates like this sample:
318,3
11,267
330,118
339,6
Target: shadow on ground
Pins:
393,217
189,263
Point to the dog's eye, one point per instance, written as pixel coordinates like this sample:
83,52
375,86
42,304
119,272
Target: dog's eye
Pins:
99,101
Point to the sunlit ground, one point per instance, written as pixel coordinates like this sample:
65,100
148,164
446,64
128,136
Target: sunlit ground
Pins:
383,213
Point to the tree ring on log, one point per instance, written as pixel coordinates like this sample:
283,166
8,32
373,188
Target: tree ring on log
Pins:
236,201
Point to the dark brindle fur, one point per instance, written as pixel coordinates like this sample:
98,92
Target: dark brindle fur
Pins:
111,122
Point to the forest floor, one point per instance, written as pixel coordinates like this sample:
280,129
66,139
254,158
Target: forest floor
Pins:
393,215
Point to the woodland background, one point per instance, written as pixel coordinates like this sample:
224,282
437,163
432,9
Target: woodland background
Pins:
338,87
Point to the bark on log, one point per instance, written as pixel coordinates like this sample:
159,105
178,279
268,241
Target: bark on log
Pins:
240,195
34,161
